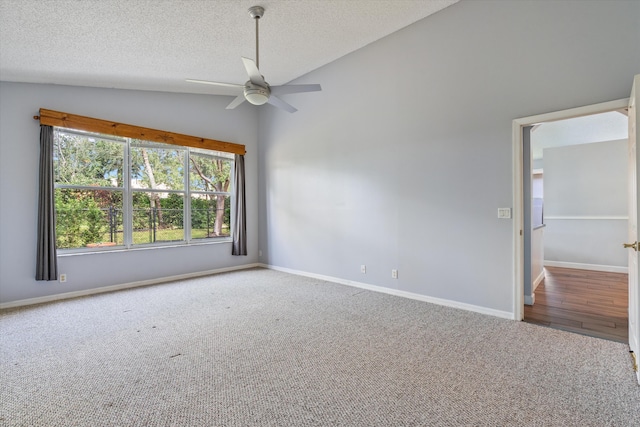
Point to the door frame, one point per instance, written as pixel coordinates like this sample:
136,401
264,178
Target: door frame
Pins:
518,209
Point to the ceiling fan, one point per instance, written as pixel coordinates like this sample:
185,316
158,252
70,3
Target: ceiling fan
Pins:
256,90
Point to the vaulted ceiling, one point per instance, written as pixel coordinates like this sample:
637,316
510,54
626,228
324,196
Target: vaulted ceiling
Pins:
157,44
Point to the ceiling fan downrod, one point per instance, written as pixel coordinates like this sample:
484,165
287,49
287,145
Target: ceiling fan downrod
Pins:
256,90
256,12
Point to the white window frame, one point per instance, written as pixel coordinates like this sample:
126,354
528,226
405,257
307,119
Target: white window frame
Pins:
128,191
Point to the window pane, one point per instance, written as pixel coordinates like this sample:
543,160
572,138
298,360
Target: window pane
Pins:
157,168
210,216
157,217
208,173
87,160
88,218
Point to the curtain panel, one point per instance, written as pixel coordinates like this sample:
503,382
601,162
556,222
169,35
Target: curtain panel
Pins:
46,259
240,229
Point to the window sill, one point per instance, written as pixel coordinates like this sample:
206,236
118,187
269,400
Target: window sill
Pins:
102,249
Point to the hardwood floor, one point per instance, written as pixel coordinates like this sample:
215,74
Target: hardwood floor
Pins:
591,303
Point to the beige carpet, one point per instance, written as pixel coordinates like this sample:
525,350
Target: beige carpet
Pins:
264,348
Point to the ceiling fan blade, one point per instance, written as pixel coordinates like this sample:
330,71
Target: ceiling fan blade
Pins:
277,102
284,89
237,101
254,74
206,82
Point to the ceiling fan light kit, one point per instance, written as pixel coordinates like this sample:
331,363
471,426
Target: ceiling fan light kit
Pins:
256,90
255,94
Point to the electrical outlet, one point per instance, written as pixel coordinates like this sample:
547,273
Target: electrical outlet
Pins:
260,252
363,269
394,274
63,278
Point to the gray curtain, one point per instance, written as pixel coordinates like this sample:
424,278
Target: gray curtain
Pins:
46,261
240,230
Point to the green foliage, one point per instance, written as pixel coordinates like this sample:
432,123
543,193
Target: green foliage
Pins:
227,211
154,167
172,211
79,219
203,212
81,160
209,173
141,203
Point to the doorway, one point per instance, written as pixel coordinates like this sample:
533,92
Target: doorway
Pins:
633,185
519,195
576,258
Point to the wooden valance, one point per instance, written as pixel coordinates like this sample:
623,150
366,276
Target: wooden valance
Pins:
73,121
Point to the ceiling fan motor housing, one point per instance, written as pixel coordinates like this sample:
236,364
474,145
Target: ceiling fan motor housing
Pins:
256,95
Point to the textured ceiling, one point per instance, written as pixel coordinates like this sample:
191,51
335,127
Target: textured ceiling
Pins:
157,44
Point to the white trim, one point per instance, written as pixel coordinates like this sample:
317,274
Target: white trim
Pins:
518,223
530,300
75,294
592,267
63,253
572,113
396,292
516,149
538,280
581,217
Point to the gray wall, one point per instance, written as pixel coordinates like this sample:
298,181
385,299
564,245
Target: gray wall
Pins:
196,115
404,157
401,161
585,189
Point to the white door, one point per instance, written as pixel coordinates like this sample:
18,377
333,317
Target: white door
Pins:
634,160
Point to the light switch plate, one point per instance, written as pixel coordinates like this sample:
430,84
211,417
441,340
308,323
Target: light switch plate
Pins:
504,213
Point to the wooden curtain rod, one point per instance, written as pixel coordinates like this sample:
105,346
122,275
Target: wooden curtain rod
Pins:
73,121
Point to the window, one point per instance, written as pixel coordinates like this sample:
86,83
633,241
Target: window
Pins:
123,192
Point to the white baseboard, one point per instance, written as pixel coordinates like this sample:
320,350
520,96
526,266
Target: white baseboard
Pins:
538,280
75,294
530,299
396,292
593,267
